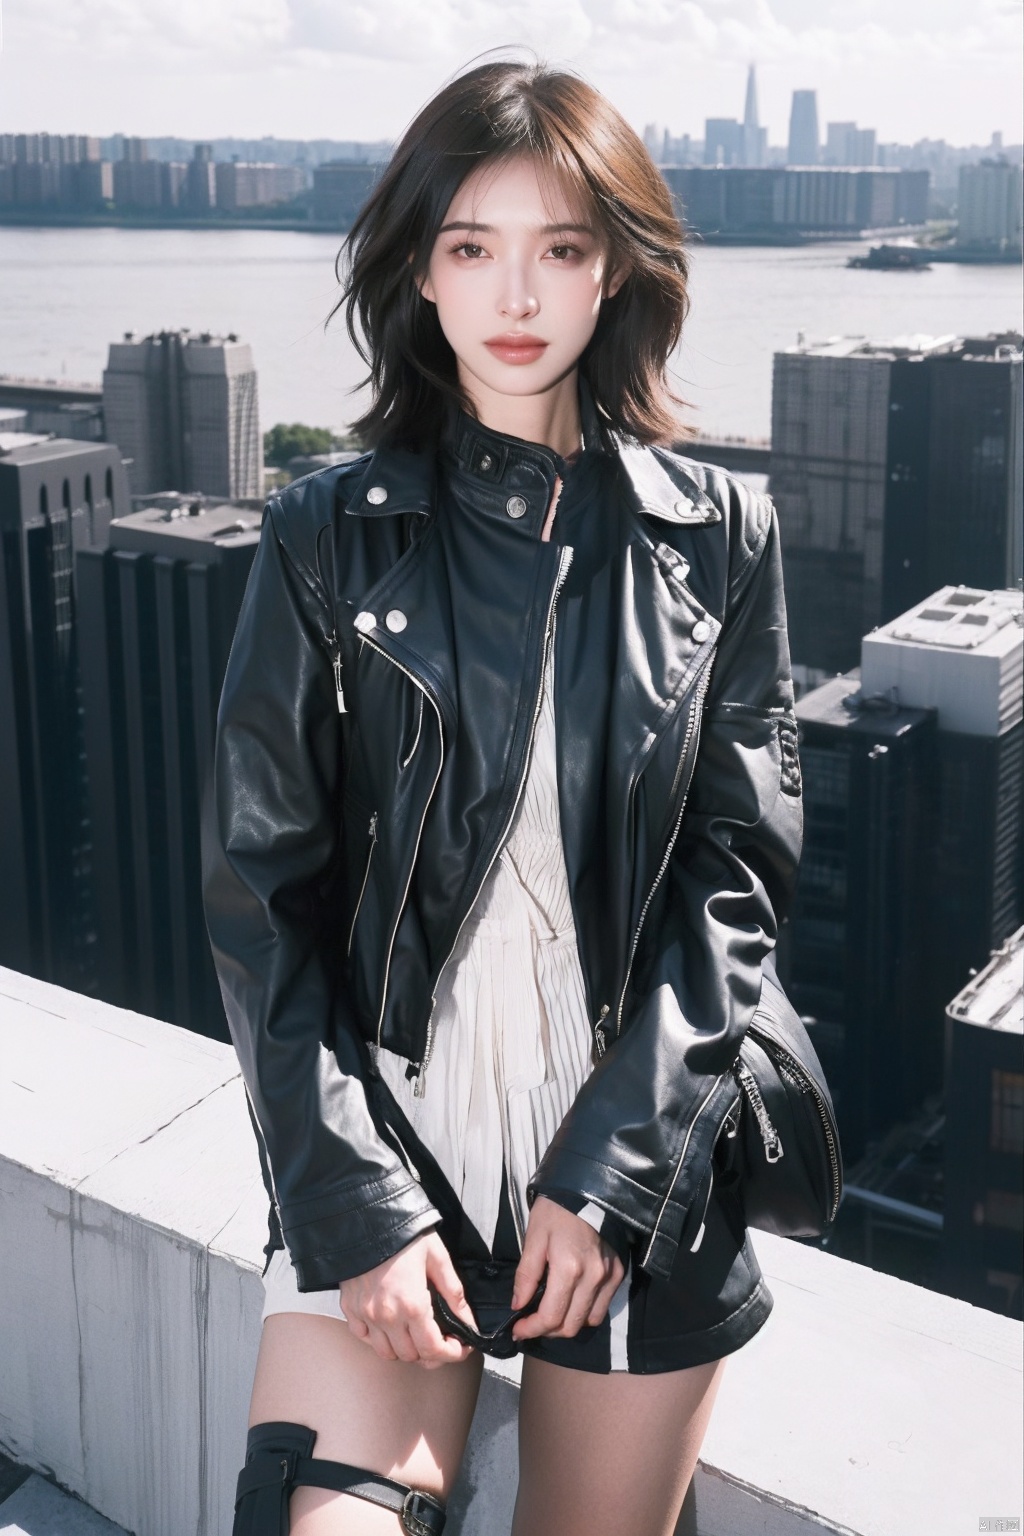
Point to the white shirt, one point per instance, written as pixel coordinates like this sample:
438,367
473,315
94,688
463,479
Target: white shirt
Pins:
511,1035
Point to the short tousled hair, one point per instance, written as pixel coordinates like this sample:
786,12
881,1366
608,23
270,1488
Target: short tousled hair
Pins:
493,113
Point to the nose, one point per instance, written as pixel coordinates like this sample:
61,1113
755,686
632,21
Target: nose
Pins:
517,301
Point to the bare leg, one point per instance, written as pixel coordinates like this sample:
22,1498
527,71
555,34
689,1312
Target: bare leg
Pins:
600,1455
400,1420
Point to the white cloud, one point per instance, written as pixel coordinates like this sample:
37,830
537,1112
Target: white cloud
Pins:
333,59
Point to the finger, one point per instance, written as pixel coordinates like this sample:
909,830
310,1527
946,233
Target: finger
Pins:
602,1301
357,1328
441,1272
530,1270
550,1315
380,1343
431,1344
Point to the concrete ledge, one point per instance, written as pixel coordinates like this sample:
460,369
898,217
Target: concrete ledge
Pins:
133,1219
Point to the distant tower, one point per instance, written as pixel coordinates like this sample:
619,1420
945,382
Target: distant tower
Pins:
804,144
751,128
183,410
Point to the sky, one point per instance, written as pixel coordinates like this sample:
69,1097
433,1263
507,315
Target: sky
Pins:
360,69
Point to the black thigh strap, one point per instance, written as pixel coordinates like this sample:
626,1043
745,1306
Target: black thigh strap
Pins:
281,1462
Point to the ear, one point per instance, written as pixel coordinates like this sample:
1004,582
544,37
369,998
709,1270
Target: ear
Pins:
616,281
424,284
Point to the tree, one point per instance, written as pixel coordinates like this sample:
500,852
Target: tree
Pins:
283,442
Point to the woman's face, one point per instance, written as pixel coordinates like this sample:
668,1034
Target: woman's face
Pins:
517,280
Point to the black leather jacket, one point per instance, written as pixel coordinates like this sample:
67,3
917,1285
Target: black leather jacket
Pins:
376,715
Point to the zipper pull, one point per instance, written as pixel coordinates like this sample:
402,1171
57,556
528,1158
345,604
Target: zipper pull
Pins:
600,1043
769,1135
336,665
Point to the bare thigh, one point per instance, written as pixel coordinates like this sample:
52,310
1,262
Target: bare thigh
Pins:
385,1415
599,1455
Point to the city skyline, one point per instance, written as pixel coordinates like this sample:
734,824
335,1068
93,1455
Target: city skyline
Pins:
271,67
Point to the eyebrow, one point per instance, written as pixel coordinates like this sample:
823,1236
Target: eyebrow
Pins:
489,229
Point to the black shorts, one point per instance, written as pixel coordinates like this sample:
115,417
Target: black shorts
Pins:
714,1300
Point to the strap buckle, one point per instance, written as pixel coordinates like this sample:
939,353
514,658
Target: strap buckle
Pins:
422,1515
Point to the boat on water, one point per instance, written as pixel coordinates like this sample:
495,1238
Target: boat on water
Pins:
894,258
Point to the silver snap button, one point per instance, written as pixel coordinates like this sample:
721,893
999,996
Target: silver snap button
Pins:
365,621
395,620
376,494
486,462
700,632
515,506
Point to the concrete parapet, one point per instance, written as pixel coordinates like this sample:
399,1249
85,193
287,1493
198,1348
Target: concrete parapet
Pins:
132,1219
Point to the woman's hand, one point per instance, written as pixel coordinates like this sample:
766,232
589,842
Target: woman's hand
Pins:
390,1307
583,1274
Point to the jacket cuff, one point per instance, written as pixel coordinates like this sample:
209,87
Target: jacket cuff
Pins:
327,1246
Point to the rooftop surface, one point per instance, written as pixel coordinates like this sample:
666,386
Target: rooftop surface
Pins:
994,999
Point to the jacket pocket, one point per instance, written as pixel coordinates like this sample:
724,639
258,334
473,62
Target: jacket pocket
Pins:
371,846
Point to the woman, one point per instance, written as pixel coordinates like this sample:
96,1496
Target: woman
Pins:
487,982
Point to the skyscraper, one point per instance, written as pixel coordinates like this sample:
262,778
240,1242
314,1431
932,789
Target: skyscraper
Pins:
184,411
961,652
858,940
989,207
911,872
753,138
804,140
56,498
160,606
896,468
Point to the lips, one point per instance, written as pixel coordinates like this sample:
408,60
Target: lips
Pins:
516,349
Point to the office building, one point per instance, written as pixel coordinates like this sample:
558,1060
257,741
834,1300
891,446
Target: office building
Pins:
858,941
984,1191
340,188
183,408
774,203
896,469
846,144
989,208
199,191
63,410
723,141
160,606
804,140
961,652
241,185
56,498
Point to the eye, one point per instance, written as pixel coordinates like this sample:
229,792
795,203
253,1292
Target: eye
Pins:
468,249
565,250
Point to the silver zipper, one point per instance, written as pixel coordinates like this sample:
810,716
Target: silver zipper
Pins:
565,560
773,1148
335,649
440,728
600,1044
730,1126
692,730
416,739
686,1142
366,876
808,1085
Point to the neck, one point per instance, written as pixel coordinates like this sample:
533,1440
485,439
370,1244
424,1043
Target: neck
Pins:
551,419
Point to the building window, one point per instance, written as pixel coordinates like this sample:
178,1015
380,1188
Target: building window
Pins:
108,488
1007,1124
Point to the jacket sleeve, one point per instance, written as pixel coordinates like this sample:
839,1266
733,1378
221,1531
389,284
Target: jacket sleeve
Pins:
344,1198
639,1137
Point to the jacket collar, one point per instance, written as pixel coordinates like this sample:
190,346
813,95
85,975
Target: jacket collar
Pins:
398,480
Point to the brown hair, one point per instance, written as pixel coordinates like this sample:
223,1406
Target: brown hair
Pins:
494,112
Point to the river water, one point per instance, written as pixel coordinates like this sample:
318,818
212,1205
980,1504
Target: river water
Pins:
65,294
